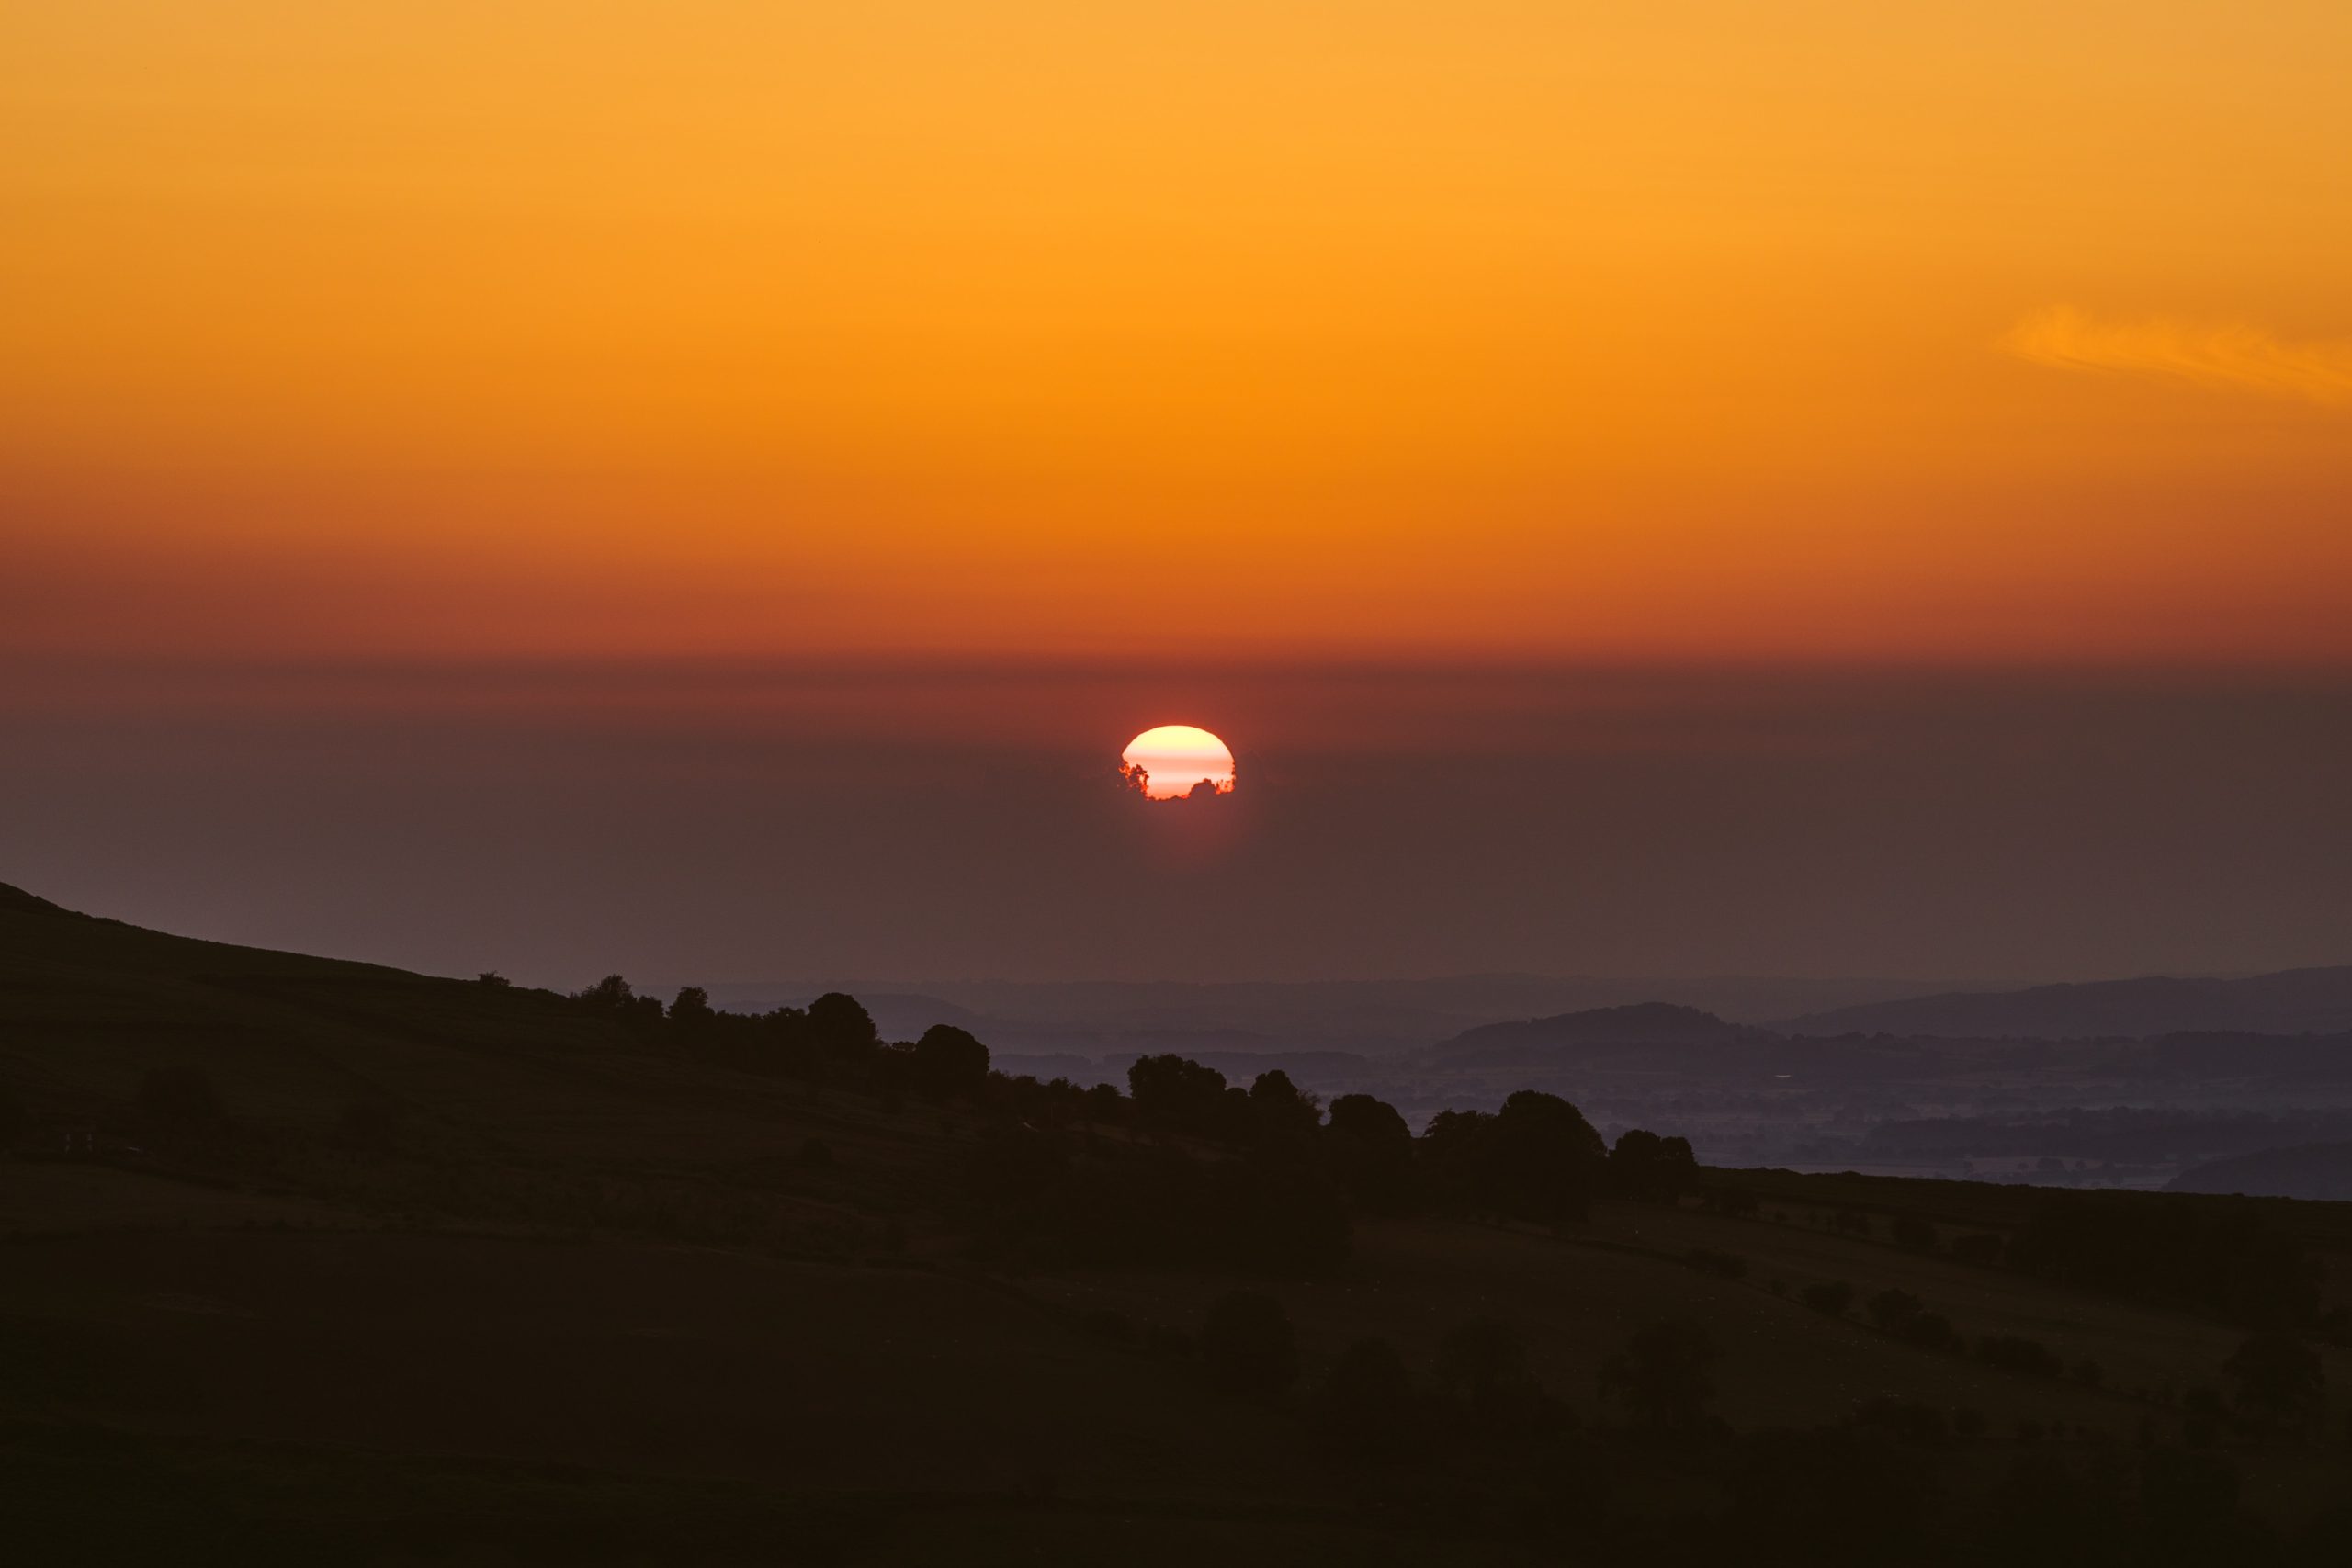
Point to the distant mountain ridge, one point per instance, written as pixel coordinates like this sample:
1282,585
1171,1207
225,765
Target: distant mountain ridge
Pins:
2292,1001
2322,1171
1640,1025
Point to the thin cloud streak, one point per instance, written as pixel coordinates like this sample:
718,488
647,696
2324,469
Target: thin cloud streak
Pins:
2227,355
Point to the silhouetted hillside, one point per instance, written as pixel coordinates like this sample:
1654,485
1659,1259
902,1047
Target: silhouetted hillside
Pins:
2309,1170
2293,1001
318,1261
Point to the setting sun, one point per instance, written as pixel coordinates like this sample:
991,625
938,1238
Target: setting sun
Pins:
1173,760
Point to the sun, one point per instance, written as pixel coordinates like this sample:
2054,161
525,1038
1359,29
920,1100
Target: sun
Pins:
1174,760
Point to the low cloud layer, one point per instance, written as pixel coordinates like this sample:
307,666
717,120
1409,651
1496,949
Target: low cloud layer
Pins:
2214,354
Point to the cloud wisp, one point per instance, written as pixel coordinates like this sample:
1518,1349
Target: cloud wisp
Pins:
2226,354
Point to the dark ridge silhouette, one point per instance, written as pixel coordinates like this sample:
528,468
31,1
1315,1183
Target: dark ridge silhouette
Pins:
1639,1024
509,1275
2318,1171
18,901
2292,1001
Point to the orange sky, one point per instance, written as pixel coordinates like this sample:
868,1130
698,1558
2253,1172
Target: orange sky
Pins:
1701,330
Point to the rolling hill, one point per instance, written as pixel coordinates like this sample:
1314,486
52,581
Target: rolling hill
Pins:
2293,1001
578,1297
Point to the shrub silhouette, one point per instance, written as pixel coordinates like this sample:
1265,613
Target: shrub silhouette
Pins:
2278,1383
1735,1202
1483,1366
1906,1420
1365,1409
1893,1310
1247,1346
2014,1353
1933,1331
1661,1379
1722,1265
1832,1296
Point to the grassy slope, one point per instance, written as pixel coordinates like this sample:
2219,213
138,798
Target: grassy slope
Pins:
504,1321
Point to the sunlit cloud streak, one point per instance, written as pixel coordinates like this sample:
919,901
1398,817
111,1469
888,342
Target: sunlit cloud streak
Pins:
2228,355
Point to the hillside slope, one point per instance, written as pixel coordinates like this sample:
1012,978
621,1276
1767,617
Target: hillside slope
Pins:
585,1300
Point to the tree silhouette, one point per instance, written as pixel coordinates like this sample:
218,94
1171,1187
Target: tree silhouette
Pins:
1649,1169
840,1025
1174,1094
1280,1109
1661,1379
2278,1383
1537,1158
949,1064
1372,1152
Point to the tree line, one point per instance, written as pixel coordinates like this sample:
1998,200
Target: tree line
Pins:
1185,1165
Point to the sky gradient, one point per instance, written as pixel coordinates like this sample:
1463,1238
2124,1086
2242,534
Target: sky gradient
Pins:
1942,332
825,392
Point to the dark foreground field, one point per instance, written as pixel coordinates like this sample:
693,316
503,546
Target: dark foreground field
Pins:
453,1272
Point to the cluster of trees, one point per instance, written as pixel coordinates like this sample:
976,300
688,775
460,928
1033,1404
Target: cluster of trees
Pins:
2218,1254
1368,1406
1257,1176
1864,1490
2279,1381
833,1040
1261,1178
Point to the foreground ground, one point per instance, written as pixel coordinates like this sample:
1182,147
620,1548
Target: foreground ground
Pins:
592,1303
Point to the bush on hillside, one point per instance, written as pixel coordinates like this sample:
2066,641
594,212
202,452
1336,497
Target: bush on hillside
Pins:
1365,1409
2015,1353
1246,1344
1831,1296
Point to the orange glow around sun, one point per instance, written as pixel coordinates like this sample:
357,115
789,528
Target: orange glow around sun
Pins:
1174,760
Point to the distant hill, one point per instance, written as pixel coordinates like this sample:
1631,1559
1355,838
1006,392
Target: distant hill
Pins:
1641,1024
1105,1018
2309,1170
2293,1001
